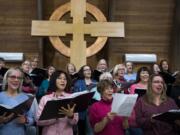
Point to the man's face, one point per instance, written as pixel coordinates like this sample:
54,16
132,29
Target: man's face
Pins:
129,67
102,66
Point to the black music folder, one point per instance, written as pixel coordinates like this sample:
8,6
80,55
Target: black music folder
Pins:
123,85
3,70
140,92
81,99
17,110
169,116
96,75
38,75
74,77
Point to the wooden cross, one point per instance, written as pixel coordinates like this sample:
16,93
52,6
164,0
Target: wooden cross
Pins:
78,51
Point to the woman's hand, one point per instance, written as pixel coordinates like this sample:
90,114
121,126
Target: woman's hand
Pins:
4,118
110,116
21,119
69,112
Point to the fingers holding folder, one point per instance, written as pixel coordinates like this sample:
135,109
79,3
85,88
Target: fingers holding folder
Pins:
69,111
5,118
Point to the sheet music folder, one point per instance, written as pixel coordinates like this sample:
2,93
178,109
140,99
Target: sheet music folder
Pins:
169,116
81,99
140,92
19,109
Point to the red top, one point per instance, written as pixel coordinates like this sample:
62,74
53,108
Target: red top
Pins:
98,111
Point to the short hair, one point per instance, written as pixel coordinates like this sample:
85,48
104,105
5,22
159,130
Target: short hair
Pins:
129,62
5,82
103,84
106,76
117,67
53,78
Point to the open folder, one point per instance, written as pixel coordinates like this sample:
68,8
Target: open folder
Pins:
17,110
140,92
169,116
81,99
123,104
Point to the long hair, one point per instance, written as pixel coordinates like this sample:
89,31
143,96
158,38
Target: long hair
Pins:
9,72
53,78
67,70
149,94
161,68
81,72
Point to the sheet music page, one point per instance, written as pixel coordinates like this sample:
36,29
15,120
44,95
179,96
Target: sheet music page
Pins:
123,104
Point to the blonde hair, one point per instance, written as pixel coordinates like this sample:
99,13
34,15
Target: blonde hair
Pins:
5,82
149,93
117,67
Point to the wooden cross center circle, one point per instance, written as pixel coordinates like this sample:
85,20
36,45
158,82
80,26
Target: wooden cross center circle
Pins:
61,47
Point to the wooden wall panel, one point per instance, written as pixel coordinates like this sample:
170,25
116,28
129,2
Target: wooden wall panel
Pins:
148,27
15,26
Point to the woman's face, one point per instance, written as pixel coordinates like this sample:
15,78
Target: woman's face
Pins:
61,82
87,72
26,66
34,63
165,66
107,93
157,85
156,68
51,70
14,80
144,76
121,72
71,69
102,65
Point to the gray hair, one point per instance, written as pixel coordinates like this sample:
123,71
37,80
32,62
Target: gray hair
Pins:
106,76
5,82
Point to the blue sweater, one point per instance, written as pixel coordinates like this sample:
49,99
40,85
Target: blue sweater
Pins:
13,128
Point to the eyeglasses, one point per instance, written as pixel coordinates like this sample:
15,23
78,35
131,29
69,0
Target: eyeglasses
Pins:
13,77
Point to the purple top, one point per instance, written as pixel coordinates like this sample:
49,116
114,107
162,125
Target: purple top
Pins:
145,110
98,111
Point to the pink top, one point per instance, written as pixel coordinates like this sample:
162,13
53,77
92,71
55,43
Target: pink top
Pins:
98,111
132,118
61,126
135,86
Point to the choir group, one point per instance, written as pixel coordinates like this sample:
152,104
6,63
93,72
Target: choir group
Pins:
157,86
